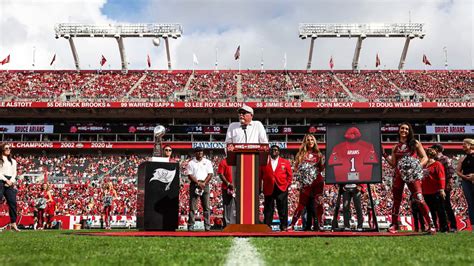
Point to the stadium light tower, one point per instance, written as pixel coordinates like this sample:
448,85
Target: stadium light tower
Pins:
119,32
361,32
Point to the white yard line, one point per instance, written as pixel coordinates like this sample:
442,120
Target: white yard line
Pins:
243,252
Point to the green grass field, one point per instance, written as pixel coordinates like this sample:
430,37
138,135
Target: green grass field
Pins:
60,248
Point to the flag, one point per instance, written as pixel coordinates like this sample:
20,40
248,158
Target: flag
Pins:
284,61
195,60
377,61
331,63
5,61
148,60
52,60
425,60
237,53
103,61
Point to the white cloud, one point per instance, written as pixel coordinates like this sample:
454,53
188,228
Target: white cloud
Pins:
211,24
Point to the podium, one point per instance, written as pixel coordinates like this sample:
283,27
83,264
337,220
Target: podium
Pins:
245,160
158,196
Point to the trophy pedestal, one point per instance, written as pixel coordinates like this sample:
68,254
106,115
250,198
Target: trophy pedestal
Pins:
159,159
157,200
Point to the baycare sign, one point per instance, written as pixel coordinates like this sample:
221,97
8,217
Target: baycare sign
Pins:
215,104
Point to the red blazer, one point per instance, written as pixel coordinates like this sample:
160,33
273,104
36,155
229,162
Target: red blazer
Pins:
282,176
434,179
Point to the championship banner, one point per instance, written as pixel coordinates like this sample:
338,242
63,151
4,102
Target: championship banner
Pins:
353,154
80,145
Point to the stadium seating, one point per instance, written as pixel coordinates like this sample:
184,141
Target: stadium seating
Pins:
265,85
321,86
213,85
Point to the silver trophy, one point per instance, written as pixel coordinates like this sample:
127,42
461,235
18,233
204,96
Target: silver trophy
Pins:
158,134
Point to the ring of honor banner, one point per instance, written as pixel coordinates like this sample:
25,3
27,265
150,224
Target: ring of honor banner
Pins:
158,196
353,153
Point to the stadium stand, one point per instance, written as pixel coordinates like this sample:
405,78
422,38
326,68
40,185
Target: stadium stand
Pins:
374,86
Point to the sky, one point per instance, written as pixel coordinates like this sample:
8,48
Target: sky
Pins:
265,29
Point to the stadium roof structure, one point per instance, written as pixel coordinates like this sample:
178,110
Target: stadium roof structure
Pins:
361,32
119,31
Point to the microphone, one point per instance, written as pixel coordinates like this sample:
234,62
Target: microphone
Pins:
244,127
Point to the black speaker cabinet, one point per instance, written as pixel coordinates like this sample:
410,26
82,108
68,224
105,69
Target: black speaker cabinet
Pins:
158,196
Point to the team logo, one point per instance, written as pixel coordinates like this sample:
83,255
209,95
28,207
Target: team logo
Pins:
164,176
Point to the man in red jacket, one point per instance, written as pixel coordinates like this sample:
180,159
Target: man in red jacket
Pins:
275,178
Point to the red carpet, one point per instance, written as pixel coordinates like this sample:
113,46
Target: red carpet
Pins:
241,234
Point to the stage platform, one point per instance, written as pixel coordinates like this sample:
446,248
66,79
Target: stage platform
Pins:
244,234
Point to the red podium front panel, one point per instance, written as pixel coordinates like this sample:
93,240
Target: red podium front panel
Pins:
246,159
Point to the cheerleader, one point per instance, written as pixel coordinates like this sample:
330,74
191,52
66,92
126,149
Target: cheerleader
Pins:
408,157
42,206
109,195
309,163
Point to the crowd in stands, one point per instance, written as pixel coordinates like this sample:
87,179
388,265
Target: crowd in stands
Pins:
77,180
41,85
110,86
160,85
319,86
213,85
223,85
434,85
265,85
370,85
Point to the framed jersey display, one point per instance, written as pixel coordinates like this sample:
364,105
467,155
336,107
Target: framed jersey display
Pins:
353,153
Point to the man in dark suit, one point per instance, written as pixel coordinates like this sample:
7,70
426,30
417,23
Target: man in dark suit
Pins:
275,178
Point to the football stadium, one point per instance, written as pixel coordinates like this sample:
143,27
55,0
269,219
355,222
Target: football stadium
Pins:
350,144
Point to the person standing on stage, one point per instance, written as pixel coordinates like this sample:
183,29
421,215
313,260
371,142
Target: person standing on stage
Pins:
433,186
8,173
465,170
408,158
275,179
246,130
109,195
199,171
228,193
449,172
309,163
